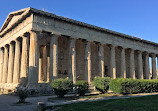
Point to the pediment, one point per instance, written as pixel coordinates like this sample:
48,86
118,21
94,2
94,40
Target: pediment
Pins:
12,18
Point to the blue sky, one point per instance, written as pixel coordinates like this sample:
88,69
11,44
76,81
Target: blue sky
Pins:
133,17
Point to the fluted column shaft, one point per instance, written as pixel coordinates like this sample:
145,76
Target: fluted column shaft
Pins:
16,75
11,64
48,63
44,63
72,68
88,62
101,60
112,62
147,69
5,67
132,66
51,58
154,74
40,64
140,65
55,56
33,60
123,63
24,59
40,70
1,64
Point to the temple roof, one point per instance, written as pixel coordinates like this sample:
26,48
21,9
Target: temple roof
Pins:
16,17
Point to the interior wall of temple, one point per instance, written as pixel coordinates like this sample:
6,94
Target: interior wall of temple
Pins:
94,60
80,58
127,63
136,64
107,60
63,57
144,73
118,61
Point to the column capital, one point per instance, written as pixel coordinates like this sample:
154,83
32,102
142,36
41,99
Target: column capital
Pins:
87,42
18,39
111,46
153,55
55,35
139,51
73,39
32,31
6,46
132,50
100,44
24,37
122,48
146,53
2,48
12,43
26,34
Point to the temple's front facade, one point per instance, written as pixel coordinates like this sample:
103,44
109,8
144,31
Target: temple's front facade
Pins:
38,46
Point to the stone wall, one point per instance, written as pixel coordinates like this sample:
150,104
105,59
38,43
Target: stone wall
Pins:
94,60
63,57
80,51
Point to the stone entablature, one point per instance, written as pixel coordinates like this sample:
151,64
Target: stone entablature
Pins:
39,46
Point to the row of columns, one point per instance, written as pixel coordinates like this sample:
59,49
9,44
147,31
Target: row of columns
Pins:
27,64
10,65
88,76
72,68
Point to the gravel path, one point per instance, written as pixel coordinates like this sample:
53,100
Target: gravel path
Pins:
7,103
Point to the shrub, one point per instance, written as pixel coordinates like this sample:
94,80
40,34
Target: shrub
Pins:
133,86
23,94
61,86
101,84
81,87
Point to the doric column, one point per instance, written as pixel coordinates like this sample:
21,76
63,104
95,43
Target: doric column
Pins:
154,74
1,64
48,63
11,63
44,63
132,66
147,69
51,58
72,67
54,56
88,61
24,59
16,75
112,62
101,60
40,70
123,63
33,60
140,65
5,66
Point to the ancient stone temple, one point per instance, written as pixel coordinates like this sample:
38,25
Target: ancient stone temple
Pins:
37,46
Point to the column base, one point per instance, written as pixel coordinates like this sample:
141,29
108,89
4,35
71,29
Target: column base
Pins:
7,88
39,89
33,90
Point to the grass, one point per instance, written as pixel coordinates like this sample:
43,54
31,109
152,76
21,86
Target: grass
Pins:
148,103
99,96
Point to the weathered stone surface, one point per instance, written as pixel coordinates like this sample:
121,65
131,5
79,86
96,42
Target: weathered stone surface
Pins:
16,75
56,47
11,63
